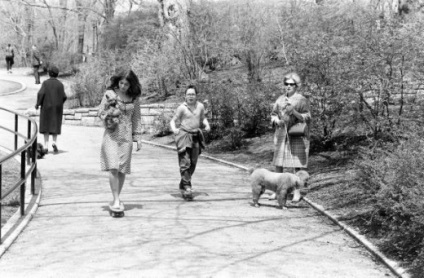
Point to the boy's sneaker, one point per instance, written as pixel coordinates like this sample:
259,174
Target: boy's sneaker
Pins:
187,193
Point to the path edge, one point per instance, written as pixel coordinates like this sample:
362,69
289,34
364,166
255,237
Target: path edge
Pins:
23,87
393,266
16,224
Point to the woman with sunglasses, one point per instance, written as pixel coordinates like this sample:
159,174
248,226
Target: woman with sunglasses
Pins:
290,108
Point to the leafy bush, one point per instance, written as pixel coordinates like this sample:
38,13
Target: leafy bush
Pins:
234,139
130,32
254,105
92,78
161,126
88,87
221,113
238,111
360,68
67,63
393,176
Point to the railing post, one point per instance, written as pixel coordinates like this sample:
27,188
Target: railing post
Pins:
28,138
1,185
23,165
34,162
16,132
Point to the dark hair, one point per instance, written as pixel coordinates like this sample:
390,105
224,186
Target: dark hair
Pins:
53,71
135,88
191,87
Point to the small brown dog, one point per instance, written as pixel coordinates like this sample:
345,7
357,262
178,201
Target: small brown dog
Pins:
113,112
280,183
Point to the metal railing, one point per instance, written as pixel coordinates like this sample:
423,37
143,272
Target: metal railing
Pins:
28,153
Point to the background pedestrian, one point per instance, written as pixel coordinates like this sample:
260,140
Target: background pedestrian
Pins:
10,55
51,97
36,63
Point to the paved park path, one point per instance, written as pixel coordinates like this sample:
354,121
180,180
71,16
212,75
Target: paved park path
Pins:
217,235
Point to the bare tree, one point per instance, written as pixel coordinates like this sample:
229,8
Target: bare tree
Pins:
174,19
109,7
173,16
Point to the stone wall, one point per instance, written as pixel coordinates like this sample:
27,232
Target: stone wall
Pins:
88,116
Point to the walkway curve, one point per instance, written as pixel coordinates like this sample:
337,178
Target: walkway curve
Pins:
21,89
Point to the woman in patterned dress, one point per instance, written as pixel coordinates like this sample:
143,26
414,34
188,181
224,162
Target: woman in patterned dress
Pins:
125,90
289,109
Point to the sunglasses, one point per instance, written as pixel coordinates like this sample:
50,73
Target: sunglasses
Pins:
290,84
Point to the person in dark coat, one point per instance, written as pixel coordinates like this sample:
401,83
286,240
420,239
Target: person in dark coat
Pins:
51,97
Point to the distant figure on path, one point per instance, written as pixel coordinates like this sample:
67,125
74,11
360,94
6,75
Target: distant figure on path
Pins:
123,95
36,62
10,55
290,108
188,136
51,97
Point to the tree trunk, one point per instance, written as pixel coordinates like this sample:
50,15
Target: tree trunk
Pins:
109,10
62,22
82,17
29,19
163,89
253,66
52,23
173,17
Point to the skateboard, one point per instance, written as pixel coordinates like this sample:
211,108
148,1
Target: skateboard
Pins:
187,195
116,212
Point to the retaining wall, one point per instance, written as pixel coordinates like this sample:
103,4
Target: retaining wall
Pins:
89,116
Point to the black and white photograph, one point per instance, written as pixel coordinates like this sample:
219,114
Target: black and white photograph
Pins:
212,138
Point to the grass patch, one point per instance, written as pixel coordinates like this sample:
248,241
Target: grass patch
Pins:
10,174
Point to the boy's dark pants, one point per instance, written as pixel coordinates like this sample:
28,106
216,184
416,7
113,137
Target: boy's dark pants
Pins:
36,74
187,161
9,63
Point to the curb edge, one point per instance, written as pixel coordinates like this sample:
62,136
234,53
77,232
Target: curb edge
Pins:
16,224
23,87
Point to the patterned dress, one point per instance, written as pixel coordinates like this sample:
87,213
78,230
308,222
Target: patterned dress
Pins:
117,144
291,151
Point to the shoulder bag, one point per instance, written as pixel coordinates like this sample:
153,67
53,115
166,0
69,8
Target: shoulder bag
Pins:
299,129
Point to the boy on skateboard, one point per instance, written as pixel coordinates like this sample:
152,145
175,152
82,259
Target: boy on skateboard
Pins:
188,137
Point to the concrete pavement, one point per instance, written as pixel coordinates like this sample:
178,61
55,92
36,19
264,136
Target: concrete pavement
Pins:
217,235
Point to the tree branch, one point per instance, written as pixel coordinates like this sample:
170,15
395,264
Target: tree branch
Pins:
76,11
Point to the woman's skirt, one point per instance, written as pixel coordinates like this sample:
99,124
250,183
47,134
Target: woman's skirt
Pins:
290,151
